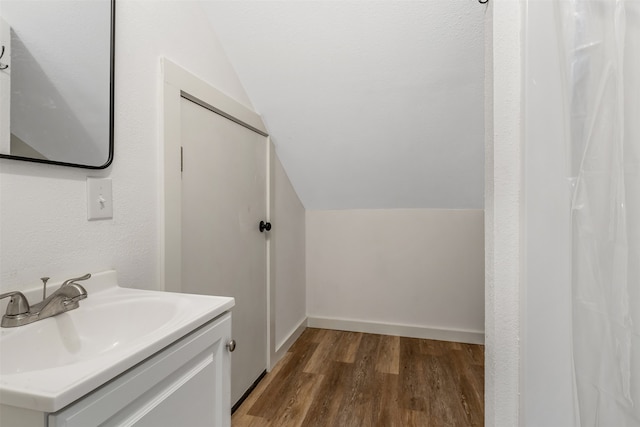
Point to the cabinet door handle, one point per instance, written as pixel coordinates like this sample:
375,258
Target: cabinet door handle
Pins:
231,345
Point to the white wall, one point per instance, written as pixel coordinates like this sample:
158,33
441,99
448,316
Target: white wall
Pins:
503,188
288,249
546,360
375,104
43,226
527,297
419,268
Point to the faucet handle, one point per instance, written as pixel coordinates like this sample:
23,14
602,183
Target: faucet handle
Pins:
17,305
71,281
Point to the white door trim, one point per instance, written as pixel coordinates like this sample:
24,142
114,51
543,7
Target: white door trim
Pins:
176,83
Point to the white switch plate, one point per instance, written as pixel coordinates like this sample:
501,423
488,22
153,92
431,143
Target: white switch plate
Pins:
99,199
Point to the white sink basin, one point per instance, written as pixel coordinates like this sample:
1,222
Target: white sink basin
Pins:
48,364
82,334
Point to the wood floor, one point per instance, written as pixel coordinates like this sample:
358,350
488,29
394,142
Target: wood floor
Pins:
344,379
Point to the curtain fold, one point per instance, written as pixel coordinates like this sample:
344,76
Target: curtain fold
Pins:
601,46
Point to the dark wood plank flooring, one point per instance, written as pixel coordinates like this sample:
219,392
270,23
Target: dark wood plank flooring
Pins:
343,379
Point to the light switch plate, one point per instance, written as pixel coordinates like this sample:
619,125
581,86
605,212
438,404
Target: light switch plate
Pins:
99,199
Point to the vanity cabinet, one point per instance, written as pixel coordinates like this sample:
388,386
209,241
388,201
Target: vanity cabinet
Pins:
185,384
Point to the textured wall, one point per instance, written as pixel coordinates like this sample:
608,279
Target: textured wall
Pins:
375,104
43,226
503,192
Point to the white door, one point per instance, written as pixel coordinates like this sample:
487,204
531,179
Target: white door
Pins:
223,251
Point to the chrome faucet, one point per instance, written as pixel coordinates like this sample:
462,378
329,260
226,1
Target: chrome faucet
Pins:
64,299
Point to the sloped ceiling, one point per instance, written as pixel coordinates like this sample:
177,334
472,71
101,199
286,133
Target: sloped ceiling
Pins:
371,104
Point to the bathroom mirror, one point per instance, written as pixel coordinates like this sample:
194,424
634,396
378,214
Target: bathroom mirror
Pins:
56,81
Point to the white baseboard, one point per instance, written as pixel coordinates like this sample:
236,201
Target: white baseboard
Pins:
454,335
469,337
288,342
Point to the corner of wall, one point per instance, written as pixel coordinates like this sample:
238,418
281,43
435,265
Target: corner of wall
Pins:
503,208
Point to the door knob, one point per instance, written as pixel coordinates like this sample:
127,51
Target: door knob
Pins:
231,345
265,226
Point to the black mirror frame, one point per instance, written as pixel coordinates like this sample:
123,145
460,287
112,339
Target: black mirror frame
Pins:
111,109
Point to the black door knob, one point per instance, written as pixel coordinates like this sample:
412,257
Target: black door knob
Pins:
265,226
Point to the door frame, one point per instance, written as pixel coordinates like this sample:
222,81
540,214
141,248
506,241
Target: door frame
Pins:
179,83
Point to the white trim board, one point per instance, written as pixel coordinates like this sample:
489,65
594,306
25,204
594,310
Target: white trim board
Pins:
469,337
205,94
286,344
272,353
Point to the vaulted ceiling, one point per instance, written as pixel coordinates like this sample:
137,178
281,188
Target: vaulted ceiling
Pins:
371,104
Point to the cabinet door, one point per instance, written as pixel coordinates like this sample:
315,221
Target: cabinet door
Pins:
191,396
186,384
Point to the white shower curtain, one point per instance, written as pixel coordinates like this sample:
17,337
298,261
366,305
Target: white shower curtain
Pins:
601,45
